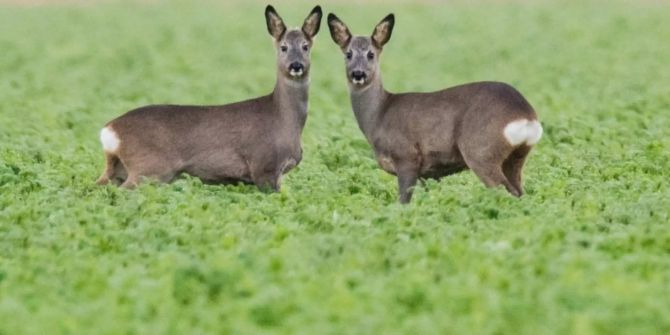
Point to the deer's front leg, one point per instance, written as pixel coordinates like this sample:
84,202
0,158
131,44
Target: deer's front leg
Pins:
267,181
407,174
266,175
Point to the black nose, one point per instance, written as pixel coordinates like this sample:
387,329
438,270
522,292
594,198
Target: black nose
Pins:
296,66
358,75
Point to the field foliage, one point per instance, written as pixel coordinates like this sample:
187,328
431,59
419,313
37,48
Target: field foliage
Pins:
586,251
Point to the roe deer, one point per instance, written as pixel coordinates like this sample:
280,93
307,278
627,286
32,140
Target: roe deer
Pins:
486,126
253,141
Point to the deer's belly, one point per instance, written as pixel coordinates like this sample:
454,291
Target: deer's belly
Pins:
432,170
442,170
441,164
219,167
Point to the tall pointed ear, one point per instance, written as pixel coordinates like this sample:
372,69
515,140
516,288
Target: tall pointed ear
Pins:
383,30
338,31
276,26
312,22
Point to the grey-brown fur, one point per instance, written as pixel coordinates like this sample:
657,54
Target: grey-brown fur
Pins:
431,135
254,141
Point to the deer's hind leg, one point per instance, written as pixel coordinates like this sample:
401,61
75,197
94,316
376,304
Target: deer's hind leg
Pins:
513,166
113,164
488,166
154,169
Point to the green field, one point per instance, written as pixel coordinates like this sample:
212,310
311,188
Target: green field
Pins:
586,251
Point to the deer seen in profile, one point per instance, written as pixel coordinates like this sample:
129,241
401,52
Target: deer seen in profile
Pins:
488,127
253,141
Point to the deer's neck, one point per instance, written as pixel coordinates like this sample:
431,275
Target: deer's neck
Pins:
291,98
368,105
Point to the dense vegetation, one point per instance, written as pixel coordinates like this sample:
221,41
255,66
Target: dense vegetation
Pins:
586,251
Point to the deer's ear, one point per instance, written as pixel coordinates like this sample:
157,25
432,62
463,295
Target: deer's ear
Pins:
312,22
383,30
338,31
275,24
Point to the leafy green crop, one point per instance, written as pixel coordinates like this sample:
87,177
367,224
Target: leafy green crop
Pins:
586,251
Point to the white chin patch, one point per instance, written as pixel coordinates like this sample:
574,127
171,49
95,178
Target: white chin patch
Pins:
295,73
358,81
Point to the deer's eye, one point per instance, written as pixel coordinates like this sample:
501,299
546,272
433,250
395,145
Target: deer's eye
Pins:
283,48
305,47
349,54
371,55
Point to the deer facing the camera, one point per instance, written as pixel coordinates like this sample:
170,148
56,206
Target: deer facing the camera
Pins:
488,127
253,141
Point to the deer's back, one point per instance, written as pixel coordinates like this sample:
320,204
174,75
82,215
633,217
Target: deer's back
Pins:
188,128
446,113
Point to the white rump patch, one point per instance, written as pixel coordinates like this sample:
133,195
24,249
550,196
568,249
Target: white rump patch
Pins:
523,131
110,141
